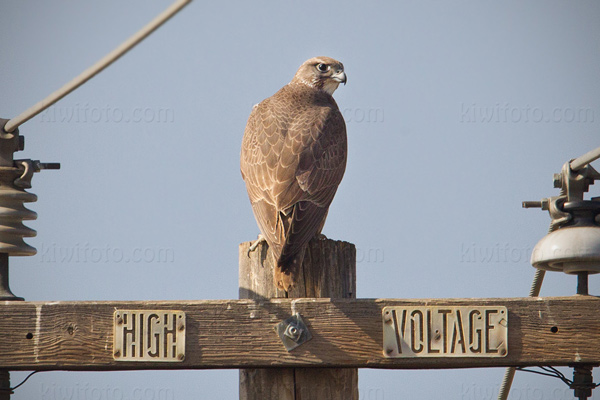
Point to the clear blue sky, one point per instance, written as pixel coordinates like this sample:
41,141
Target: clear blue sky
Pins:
456,112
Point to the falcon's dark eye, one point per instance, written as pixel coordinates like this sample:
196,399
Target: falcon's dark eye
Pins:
323,67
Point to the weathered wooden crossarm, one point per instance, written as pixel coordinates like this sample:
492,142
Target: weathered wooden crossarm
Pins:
239,333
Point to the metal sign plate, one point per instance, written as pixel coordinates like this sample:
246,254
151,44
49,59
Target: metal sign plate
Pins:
445,332
149,335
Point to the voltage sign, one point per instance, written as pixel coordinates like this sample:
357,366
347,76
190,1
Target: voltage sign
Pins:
445,331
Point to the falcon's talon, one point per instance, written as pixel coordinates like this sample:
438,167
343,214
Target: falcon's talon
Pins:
260,239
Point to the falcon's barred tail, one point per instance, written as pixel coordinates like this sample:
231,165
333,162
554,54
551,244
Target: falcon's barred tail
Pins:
286,272
305,220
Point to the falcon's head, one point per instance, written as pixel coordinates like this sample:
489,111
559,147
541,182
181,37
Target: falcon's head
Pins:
322,73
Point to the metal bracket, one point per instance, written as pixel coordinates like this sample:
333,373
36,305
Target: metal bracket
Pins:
573,185
293,332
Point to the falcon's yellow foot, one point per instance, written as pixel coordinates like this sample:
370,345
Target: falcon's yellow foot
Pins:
260,239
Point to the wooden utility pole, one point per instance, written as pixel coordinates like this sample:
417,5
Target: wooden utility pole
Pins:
328,270
5,391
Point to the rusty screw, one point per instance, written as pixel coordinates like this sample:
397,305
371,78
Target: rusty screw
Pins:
387,317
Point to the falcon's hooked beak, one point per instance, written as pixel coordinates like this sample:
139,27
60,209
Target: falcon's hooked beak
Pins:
339,76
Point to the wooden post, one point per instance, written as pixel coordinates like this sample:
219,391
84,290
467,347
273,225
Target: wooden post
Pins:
5,391
328,270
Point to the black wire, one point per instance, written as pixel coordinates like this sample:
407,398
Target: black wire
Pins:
561,375
536,372
24,380
558,374
557,371
552,372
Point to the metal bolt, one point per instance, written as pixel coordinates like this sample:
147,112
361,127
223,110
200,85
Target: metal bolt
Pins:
293,332
582,381
532,204
117,353
180,357
181,327
119,320
389,351
557,180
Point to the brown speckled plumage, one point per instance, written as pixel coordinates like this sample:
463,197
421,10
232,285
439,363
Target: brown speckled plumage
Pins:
293,159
